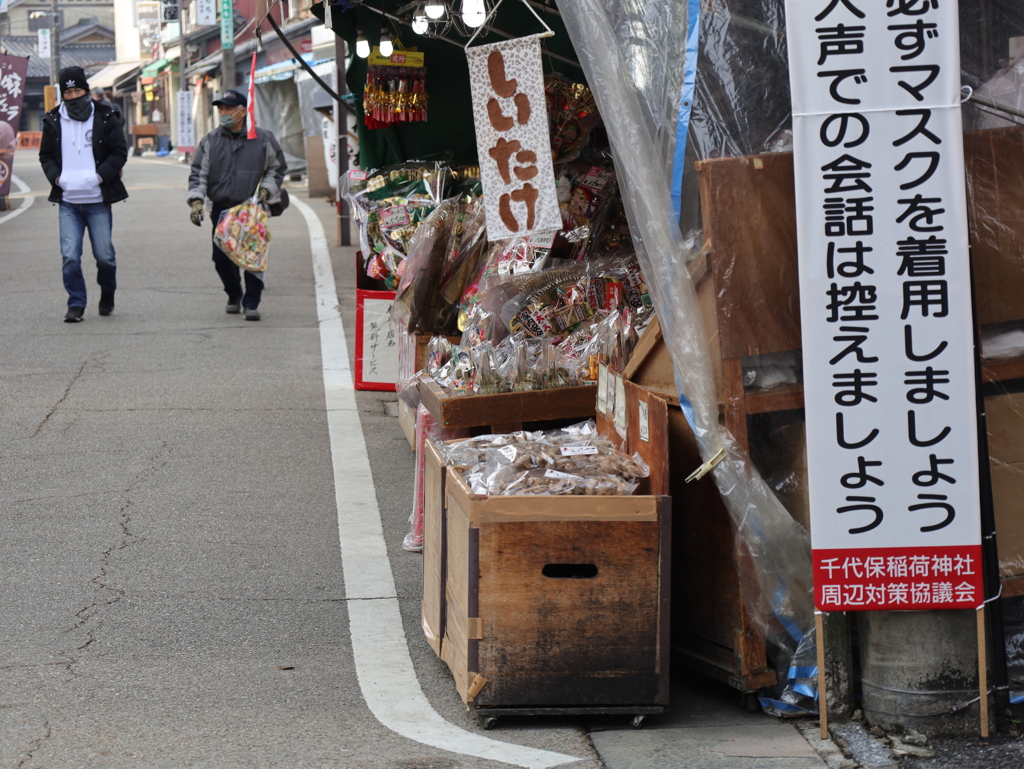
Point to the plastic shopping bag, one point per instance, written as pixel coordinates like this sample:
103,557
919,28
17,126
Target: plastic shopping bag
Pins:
242,234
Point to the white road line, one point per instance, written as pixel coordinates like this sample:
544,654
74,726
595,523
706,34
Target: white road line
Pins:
22,187
384,667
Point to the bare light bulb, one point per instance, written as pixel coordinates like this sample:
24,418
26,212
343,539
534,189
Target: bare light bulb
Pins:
420,24
362,46
474,13
434,9
386,46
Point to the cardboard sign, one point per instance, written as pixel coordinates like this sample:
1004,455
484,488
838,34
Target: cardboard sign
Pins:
885,304
513,138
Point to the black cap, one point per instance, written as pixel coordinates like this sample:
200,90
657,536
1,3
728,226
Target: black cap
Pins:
230,99
72,77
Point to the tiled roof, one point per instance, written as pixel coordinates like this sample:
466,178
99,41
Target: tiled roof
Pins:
89,56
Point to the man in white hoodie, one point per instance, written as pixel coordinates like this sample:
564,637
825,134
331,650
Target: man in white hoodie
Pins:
82,152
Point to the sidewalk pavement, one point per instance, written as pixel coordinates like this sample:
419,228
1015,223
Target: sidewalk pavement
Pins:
707,728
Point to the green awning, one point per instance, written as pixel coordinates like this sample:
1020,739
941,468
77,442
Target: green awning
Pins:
150,71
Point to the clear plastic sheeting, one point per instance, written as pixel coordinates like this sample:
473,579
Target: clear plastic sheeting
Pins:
633,57
723,267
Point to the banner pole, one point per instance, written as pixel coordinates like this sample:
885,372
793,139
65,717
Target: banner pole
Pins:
819,642
982,670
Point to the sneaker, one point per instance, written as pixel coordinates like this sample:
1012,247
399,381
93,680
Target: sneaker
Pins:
74,315
251,313
234,305
106,302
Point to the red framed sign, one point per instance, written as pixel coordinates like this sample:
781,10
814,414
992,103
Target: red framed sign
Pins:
376,342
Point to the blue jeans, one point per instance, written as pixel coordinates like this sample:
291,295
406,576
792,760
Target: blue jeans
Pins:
75,218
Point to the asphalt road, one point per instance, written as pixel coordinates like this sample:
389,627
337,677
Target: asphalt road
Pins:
171,590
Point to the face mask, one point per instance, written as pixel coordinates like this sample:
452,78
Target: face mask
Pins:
80,108
227,121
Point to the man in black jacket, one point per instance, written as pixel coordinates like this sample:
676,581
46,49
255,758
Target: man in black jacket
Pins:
82,152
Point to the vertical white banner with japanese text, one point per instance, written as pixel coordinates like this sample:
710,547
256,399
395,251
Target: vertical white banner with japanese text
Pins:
885,303
206,12
227,24
512,138
186,122
43,44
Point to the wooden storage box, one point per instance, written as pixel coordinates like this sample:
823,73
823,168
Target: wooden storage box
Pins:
747,286
711,630
435,550
506,412
407,421
557,604
412,351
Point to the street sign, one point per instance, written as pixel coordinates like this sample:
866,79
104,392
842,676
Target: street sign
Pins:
43,44
206,12
186,122
885,305
227,24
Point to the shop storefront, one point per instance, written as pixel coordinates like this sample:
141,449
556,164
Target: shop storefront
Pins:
665,304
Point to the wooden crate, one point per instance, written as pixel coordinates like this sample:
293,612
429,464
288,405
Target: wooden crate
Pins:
711,630
506,412
557,603
412,351
747,287
435,549
407,421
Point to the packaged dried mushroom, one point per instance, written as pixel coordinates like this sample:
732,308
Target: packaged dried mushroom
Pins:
570,461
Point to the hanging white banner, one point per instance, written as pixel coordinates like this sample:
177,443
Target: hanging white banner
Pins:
885,304
186,123
512,138
206,12
43,44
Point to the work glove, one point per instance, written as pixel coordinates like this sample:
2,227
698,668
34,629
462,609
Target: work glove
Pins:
197,212
264,195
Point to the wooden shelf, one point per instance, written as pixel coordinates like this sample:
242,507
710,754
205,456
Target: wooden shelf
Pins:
1002,370
505,409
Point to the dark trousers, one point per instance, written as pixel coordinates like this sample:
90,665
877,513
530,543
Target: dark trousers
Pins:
229,271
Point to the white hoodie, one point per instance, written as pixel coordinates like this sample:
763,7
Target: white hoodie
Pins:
78,177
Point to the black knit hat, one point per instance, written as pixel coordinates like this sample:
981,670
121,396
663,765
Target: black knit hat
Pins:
72,77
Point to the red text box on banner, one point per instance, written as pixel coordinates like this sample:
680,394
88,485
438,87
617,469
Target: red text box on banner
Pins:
885,298
513,138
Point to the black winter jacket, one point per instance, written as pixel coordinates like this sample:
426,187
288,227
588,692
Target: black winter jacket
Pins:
109,149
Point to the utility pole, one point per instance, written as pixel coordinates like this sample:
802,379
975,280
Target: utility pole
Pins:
227,66
227,45
181,46
55,45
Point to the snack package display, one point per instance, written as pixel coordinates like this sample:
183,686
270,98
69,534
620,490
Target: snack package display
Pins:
570,461
557,302
443,255
572,113
390,204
